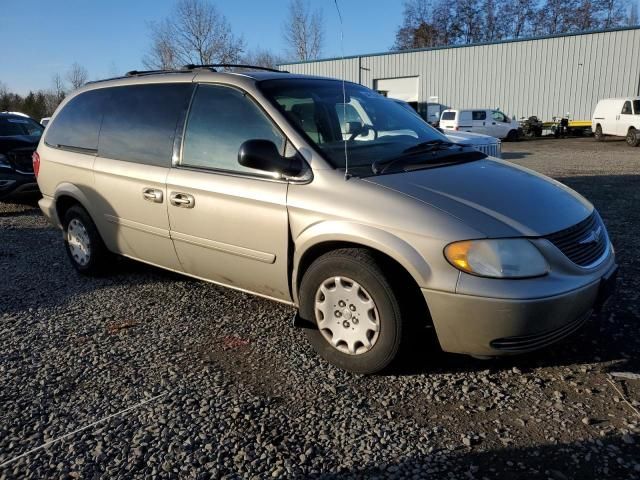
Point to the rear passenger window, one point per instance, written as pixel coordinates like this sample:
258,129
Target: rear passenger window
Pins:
221,119
78,123
140,122
479,115
448,116
626,108
636,107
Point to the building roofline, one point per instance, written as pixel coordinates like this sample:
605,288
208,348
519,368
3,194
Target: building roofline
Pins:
448,47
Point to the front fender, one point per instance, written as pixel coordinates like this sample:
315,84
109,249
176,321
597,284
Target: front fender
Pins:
365,235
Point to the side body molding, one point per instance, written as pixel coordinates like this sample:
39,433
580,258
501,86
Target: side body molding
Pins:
365,235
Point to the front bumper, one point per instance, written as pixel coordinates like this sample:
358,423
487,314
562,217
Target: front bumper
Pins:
486,326
13,183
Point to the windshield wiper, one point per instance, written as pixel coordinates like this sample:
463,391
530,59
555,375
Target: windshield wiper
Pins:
379,167
428,146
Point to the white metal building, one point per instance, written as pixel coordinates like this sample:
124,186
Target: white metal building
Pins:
545,76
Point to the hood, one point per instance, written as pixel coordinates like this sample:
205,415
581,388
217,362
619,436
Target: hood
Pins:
469,138
494,197
18,141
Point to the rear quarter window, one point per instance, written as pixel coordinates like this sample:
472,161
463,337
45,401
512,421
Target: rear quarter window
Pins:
77,125
140,122
448,116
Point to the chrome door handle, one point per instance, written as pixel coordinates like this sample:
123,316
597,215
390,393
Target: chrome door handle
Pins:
183,200
152,195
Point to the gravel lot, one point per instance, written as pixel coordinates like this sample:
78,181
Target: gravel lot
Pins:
218,385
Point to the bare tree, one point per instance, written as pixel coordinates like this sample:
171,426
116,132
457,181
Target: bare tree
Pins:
418,29
469,20
304,31
58,85
633,14
613,14
77,76
262,58
195,33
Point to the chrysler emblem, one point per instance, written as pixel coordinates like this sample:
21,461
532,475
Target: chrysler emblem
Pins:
592,237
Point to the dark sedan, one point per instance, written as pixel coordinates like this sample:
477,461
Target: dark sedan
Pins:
19,137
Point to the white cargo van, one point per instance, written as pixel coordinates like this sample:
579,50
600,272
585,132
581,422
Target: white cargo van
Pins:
480,120
619,117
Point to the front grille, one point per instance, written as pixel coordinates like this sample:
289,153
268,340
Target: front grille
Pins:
584,243
493,150
22,160
526,343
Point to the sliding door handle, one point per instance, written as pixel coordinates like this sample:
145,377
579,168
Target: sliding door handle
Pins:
152,195
183,200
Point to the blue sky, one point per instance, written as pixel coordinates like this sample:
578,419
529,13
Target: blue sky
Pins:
110,37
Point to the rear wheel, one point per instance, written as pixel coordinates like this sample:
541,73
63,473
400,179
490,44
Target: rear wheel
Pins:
633,137
357,314
82,241
512,136
598,135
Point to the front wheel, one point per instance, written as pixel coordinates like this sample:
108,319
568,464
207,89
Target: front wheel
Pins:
633,137
358,317
82,241
598,135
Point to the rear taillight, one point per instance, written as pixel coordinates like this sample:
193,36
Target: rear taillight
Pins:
36,163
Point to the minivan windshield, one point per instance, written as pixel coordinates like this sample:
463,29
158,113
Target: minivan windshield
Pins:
370,129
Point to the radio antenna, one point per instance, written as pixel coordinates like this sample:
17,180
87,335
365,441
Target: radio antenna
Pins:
344,95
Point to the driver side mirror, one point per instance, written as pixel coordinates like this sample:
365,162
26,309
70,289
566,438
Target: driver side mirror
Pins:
264,155
353,127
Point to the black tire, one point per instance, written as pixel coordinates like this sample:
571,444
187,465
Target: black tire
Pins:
98,254
598,135
512,136
633,137
360,266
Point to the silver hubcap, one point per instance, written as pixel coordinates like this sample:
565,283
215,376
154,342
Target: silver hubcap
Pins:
78,240
347,316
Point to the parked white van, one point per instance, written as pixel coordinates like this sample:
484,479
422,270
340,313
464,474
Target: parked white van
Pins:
480,120
619,117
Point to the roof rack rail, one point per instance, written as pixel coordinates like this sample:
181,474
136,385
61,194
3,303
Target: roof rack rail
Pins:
135,73
213,66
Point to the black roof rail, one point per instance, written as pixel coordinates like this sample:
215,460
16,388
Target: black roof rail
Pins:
213,66
135,73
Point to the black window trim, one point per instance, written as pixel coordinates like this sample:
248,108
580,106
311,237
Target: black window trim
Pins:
72,148
176,162
179,123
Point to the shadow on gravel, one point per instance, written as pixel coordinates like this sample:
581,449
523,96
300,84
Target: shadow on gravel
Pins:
34,258
612,457
514,155
27,199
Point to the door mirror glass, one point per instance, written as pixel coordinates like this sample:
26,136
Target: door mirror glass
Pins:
264,155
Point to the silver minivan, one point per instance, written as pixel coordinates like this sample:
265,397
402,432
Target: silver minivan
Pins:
272,183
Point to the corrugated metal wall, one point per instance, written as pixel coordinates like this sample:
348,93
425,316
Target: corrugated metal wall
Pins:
545,77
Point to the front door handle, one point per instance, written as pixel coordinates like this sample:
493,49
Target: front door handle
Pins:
152,195
183,200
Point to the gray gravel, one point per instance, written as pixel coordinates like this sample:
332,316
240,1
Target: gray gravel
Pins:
233,391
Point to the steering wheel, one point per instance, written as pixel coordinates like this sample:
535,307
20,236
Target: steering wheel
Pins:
361,130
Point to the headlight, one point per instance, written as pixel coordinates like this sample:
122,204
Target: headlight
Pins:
497,258
4,161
